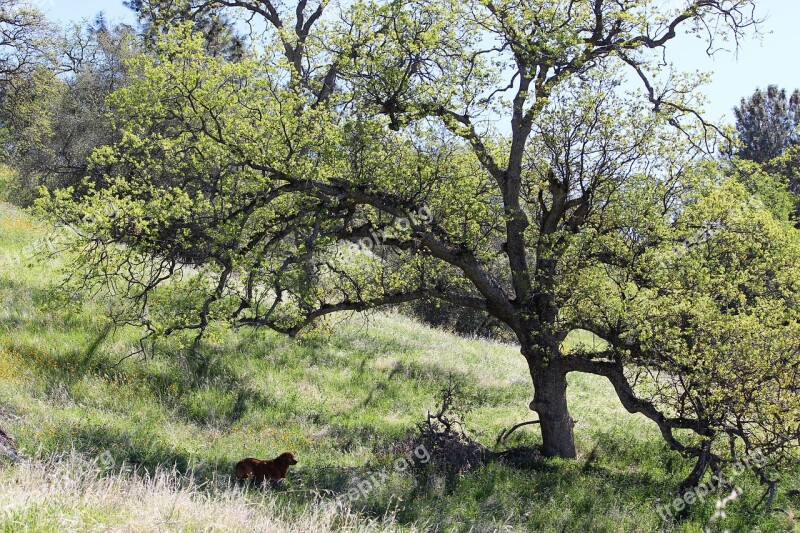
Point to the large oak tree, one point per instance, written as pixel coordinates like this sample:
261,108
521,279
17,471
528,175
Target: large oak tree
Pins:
537,161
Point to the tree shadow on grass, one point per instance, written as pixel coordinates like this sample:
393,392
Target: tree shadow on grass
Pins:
141,450
500,489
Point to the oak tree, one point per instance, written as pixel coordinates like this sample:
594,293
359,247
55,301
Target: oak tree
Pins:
491,154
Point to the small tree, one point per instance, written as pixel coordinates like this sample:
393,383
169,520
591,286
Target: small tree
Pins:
354,162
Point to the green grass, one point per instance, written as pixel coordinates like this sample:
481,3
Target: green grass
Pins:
345,401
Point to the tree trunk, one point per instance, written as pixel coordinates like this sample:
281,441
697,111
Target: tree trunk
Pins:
550,402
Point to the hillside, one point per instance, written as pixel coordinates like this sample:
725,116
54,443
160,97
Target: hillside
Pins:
124,443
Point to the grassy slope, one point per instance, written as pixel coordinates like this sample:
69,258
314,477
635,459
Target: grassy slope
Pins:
343,401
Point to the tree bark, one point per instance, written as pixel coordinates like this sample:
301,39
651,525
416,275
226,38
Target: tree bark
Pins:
550,402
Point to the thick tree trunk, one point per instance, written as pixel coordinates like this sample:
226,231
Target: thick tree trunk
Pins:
550,402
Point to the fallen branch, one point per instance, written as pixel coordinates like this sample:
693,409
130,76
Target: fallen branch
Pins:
503,436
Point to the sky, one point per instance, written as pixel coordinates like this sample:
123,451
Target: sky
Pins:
774,58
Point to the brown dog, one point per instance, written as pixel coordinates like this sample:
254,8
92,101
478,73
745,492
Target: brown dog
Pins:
262,471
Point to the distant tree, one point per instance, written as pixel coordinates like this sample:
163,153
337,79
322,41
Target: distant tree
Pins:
220,33
55,115
22,31
238,191
767,123
769,129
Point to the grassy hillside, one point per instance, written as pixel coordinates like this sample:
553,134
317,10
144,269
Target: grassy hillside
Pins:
123,443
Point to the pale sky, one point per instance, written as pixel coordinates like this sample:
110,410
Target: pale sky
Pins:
773,59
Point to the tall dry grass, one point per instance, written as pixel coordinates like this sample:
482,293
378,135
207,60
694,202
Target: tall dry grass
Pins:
72,493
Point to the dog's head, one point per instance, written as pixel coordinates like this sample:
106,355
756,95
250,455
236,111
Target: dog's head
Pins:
286,458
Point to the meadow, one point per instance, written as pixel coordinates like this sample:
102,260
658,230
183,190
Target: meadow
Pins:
111,442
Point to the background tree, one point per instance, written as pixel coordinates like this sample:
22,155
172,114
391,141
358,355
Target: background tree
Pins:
219,31
767,123
238,189
22,29
56,116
